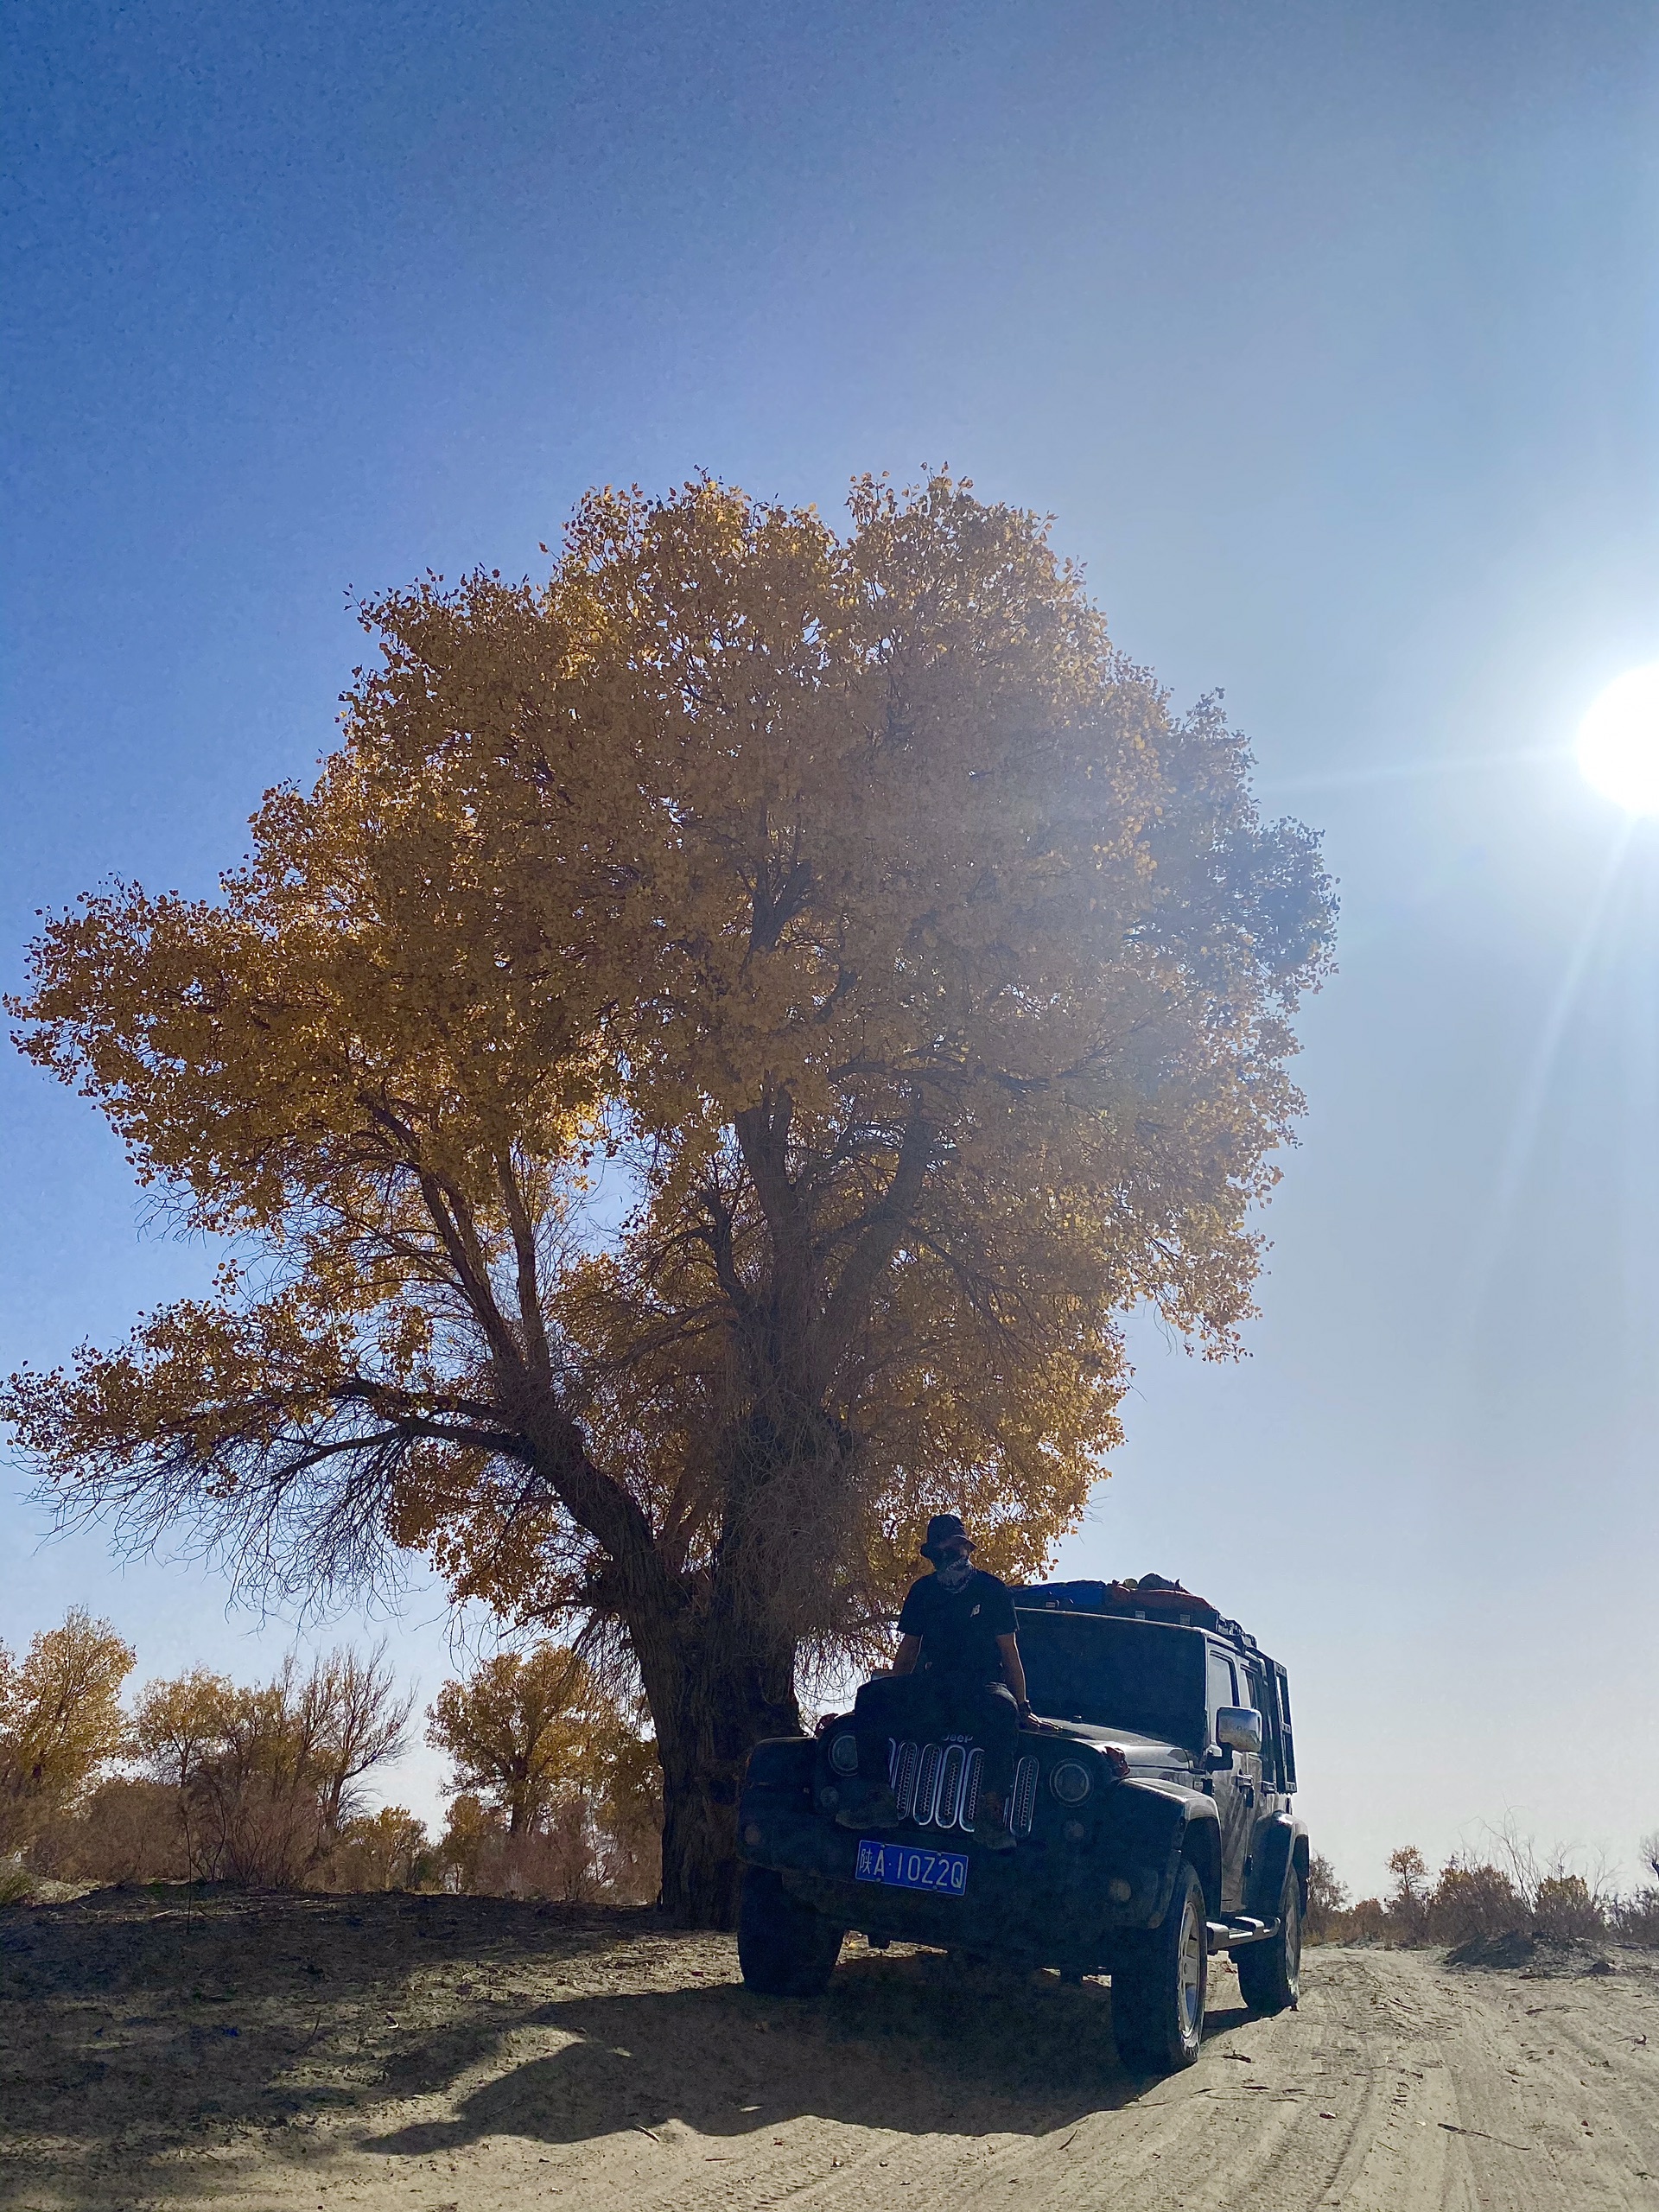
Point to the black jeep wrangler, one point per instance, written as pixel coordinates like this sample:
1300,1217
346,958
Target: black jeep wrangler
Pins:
1151,1802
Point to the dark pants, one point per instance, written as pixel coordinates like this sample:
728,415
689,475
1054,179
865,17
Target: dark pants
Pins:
924,1709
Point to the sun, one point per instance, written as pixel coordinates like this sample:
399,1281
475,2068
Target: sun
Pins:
1618,741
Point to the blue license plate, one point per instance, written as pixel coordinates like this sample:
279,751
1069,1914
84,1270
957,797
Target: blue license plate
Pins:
902,1866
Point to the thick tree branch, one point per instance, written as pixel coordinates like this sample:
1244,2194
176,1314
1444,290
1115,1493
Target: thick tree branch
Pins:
530,1321
452,1217
717,1235
848,1304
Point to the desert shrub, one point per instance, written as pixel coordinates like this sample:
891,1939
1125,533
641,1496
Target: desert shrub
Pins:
1566,1910
129,1830
1636,1919
558,1858
279,1782
1514,1890
473,1827
387,1850
1326,1898
262,1785
1562,1905
631,1822
1517,1890
1367,1921
1408,1901
267,1780
1472,1900
558,1793
260,1832
584,1849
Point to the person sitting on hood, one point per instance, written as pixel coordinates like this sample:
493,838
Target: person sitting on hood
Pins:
958,1672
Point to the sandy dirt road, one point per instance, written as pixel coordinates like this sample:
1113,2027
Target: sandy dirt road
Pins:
443,2054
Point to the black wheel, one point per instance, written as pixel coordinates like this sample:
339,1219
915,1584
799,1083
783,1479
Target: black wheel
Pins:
785,1949
1270,1975
1158,1991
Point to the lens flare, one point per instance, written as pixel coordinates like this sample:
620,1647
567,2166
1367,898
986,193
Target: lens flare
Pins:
1618,741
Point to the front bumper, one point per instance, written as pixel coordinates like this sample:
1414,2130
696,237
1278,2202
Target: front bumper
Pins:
1045,1903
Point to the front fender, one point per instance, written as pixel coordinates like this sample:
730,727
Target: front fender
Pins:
778,1778
1161,1825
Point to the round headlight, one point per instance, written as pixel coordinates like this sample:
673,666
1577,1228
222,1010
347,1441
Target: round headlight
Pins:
1070,1782
844,1754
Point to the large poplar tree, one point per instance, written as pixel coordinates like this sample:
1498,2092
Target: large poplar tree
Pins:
694,1087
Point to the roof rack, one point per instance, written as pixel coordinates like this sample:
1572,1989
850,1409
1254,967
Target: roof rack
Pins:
1163,1602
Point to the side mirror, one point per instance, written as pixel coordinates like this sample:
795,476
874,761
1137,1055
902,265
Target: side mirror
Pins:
1238,1727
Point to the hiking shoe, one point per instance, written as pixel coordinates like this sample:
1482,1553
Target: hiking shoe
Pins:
879,1809
991,1827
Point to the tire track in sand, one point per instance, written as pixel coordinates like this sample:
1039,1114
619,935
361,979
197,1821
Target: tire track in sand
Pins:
431,2056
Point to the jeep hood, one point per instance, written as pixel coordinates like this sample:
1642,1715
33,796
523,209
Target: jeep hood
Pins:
1143,1752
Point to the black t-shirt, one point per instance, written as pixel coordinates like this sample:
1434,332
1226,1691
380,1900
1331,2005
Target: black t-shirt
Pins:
959,1628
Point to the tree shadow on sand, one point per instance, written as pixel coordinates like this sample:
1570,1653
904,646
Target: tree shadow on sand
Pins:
905,2043
151,2019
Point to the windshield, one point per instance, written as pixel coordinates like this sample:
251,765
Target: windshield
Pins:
1137,1675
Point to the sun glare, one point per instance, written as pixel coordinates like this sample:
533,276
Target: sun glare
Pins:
1618,741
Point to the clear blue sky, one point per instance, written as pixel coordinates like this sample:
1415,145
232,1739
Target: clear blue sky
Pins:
1328,333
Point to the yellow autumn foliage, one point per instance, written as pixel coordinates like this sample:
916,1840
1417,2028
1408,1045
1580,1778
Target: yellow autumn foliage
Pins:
60,1721
694,1087
524,1726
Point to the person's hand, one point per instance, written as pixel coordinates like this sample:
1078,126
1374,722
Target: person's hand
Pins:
1022,1705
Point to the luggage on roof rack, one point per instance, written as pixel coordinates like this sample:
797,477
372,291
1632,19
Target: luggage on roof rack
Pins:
1151,1598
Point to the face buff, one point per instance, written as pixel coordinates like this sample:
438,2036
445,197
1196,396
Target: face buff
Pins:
953,1573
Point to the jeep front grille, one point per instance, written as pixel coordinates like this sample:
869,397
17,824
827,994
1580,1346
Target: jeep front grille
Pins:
970,1790
936,1785
952,1774
1025,1797
927,1789
903,1765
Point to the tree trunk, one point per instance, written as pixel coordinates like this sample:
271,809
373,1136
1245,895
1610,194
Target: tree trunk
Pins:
710,1707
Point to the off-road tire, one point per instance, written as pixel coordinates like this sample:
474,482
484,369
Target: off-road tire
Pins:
785,1949
1158,1986
1270,1975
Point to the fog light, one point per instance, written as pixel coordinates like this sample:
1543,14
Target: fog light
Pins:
751,1834
1070,1782
844,1754
1074,1831
1119,1891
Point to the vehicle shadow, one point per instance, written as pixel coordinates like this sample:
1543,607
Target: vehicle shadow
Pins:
907,2044
137,2025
